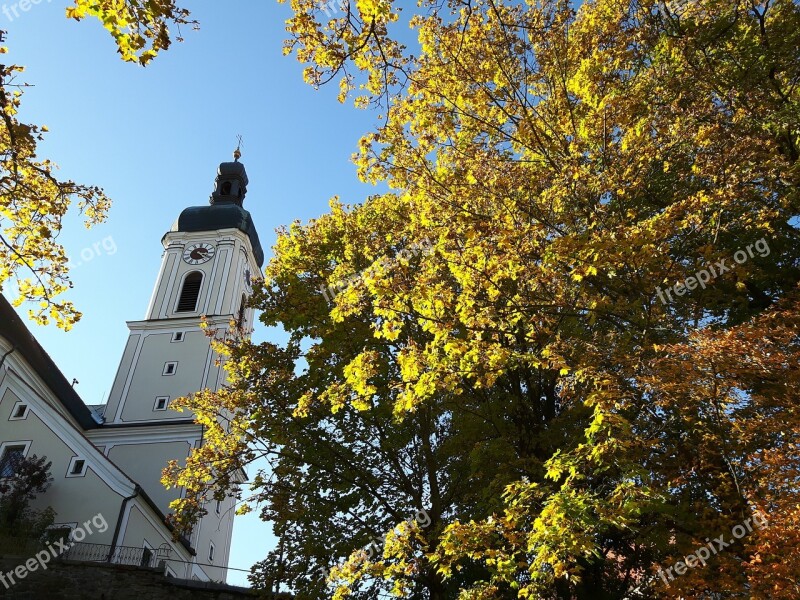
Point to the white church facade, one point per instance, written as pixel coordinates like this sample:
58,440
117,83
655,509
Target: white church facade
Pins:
108,459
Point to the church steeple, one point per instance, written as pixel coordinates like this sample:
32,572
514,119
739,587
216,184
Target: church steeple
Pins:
225,209
211,256
231,183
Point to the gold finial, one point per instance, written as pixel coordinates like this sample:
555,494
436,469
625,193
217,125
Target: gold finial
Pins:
237,154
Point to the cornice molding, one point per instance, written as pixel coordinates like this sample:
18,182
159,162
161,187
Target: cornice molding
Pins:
190,433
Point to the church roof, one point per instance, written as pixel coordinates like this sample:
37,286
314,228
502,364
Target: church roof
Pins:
221,216
225,209
13,329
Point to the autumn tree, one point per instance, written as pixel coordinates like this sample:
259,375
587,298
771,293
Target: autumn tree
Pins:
610,199
33,200
140,28
24,478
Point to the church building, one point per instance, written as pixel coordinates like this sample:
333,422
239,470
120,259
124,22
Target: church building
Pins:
107,460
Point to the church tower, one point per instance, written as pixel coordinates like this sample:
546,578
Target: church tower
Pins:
211,257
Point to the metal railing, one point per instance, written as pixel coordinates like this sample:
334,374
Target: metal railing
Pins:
119,555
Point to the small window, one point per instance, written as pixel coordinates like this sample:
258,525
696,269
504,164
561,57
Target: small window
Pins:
226,188
19,412
190,292
170,368
161,403
147,555
177,336
10,459
77,467
211,552
218,507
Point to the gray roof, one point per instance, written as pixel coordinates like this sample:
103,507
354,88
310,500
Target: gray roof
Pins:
225,210
14,330
221,216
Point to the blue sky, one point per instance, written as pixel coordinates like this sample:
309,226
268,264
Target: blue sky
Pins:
153,138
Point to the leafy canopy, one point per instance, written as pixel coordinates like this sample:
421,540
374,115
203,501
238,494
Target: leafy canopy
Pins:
566,168
33,200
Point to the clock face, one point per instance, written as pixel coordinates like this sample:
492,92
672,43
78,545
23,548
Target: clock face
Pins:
197,254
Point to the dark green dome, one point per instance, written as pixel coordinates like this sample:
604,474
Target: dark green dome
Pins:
225,210
221,216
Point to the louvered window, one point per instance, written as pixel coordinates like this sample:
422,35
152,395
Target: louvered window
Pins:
190,292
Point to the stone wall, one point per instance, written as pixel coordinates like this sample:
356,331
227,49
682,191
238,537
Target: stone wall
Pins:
68,580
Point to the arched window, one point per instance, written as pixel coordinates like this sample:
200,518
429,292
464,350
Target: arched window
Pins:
190,292
226,188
